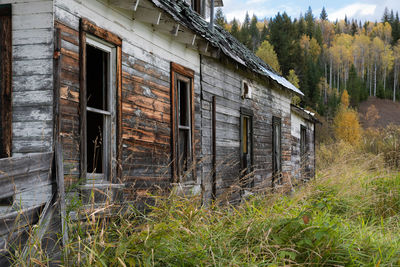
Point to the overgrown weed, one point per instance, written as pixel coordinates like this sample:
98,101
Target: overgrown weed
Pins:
346,216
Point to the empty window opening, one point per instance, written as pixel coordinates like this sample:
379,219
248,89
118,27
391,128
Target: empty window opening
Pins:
98,108
184,127
303,143
196,6
6,201
246,148
303,152
276,147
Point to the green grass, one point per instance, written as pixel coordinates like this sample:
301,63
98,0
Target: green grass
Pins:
348,216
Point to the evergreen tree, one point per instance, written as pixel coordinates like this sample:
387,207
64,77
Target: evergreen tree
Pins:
354,86
244,33
282,37
235,29
391,17
396,29
386,15
353,28
301,27
318,35
264,34
254,34
220,18
309,18
323,15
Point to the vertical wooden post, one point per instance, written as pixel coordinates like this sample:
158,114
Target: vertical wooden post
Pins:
61,191
119,113
5,81
82,100
214,148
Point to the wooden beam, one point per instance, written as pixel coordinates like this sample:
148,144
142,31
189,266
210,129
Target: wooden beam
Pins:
175,30
186,37
5,81
203,47
135,6
147,15
92,28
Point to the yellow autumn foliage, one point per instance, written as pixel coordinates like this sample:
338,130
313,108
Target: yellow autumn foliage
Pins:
347,127
345,99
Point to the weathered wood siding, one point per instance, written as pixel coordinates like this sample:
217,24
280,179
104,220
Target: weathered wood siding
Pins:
224,82
27,181
32,76
146,103
302,171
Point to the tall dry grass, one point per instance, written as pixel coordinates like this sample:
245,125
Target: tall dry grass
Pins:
347,216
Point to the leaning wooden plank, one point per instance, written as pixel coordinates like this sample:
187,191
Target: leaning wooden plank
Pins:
61,191
10,167
36,236
13,223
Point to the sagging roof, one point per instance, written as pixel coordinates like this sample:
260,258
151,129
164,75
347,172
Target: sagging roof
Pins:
306,114
219,38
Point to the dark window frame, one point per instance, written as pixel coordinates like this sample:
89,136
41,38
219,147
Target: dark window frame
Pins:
247,114
276,168
180,73
303,140
6,81
303,151
196,5
88,27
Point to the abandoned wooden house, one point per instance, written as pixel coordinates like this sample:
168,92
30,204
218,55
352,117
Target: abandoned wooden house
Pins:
134,94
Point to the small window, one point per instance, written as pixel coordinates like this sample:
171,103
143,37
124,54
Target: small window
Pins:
183,154
303,141
276,150
246,90
196,6
246,147
5,81
303,152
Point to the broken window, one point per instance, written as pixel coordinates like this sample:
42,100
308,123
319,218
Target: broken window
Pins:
246,147
5,81
276,150
182,123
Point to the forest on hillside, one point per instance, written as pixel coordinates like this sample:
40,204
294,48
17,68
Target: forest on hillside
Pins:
324,58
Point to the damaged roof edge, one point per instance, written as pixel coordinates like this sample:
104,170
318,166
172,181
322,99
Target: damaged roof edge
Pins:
306,114
219,38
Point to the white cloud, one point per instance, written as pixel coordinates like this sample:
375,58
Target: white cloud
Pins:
252,2
356,10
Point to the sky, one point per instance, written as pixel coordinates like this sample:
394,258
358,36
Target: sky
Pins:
337,9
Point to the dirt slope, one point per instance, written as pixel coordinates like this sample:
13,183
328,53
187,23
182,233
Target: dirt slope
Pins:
389,112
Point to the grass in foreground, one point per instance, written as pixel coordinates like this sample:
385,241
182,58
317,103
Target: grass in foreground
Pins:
347,216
